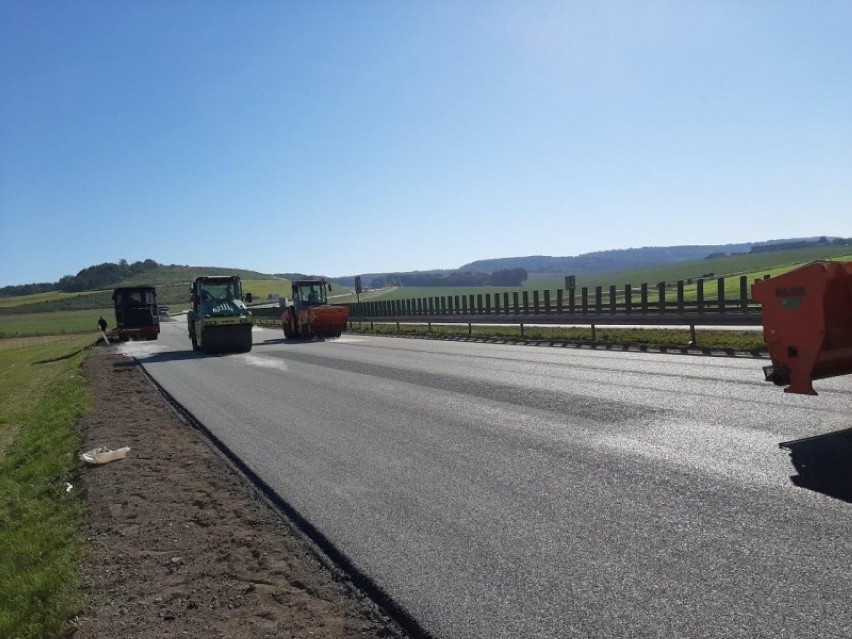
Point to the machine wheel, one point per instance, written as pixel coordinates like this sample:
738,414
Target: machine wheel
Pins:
246,344
195,345
288,331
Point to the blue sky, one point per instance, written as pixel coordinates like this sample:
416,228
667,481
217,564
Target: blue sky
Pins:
358,137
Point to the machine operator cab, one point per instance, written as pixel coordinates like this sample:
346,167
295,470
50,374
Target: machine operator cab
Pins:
310,293
221,290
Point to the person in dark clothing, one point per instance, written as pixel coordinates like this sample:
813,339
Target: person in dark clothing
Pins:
102,324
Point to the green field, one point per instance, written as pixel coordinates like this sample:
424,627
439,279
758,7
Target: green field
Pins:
753,266
54,323
167,275
7,303
657,338
42,394
66,313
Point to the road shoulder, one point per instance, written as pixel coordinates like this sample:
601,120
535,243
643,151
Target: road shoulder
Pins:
180,545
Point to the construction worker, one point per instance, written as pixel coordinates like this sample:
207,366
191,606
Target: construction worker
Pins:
102,324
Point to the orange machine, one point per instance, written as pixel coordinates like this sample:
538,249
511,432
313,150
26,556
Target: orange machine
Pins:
310,314
807,324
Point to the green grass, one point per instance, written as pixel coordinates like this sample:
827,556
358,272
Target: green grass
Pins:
260,289
341,295
54,323
172,283
39,544
42,298
732,267
656,338
165,275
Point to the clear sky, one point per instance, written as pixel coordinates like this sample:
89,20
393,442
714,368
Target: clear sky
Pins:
369,136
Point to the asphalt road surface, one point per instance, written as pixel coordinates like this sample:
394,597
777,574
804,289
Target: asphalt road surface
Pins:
518,491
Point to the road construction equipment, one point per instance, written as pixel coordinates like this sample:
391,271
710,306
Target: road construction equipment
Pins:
310,314
136,315
807,324
219,321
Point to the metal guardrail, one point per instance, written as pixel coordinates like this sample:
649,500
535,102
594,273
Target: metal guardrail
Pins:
634,319
642,306
661,305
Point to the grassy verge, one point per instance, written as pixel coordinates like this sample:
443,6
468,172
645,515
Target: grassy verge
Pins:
54,322
655,338
42,394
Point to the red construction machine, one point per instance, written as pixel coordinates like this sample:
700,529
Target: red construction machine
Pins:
310,314
807,324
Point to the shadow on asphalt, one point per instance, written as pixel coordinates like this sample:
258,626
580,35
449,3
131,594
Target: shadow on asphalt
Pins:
824,463
293,340
170,356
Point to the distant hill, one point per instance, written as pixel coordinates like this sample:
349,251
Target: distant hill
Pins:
596,262
618,259
172,280
122,273
647,256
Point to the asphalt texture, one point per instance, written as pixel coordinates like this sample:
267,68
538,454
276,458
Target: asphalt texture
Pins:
518,491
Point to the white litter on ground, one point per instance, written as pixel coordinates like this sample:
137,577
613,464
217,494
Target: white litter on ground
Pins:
103,455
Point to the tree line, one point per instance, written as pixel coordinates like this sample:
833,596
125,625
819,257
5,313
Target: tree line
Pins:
502,277
103,275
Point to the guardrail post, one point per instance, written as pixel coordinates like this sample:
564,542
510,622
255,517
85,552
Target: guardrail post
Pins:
522,329
594,334
464,304
628,298
584,299
535,302
720,287
526,297
699,295
661,297
559,301
598,299
479,303
611,298
488,303
515,302
744,292
506,302
497,303
680,296
547,301
643,296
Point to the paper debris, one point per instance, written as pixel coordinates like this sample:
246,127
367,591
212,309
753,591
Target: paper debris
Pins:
103,455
